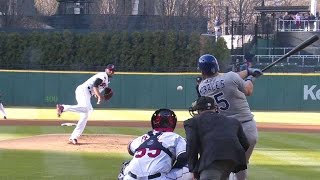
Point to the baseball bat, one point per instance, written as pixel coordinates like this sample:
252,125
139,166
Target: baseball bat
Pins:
301,46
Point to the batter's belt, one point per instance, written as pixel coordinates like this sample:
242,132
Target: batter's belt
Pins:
246,121
149,177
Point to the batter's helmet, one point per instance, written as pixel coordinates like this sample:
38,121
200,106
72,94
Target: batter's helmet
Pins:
110,69
164,120
208,64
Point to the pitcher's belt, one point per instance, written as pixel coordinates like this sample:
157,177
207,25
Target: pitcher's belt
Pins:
149,177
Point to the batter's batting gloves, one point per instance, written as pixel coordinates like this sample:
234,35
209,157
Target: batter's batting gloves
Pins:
250,78
254,72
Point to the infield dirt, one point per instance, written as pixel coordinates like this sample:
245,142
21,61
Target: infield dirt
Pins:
106,143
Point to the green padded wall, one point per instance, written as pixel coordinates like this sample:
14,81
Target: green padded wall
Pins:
286,92
281,92
45,89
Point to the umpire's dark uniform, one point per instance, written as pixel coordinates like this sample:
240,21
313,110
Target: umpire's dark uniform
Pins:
219,140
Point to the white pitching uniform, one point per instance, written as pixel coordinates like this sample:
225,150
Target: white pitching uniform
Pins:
149,162
228,92
2,109
83,93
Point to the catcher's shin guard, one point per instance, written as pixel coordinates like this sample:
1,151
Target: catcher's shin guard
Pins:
123,167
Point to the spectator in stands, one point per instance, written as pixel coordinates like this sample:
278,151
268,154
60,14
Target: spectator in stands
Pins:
246,64
236,66
217,28
297,19
317,24
287,22
281,22
304,21
217,22
311,20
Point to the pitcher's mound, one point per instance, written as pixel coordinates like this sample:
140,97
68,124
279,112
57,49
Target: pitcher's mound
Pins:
59,142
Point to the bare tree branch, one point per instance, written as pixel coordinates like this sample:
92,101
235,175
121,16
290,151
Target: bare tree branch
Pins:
107,6
46,7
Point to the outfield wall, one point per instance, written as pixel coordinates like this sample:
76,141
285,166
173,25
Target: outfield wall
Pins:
296,92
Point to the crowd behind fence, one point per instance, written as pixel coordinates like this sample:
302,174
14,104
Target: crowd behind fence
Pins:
301,25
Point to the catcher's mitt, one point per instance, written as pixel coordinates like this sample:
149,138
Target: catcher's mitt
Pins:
108,93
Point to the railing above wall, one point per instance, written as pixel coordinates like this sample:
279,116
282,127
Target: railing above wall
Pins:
299,60
284,50
293,25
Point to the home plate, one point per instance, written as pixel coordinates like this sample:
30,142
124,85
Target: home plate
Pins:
68,124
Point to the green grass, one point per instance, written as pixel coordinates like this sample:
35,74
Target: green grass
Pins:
278,156
291,156
48,165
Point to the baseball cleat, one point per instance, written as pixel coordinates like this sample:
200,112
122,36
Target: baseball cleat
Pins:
73,141
59,109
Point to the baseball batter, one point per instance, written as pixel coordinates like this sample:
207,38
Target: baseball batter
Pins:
229,90
92,87
159,154
2,108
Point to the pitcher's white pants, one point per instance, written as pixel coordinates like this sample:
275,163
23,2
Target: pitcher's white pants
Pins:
84,107
2,110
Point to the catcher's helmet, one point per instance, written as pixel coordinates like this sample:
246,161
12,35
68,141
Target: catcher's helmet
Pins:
163,120
110,69
208,64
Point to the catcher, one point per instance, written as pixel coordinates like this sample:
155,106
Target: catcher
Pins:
159,154
94,86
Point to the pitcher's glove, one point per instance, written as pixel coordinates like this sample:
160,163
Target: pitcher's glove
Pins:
108,93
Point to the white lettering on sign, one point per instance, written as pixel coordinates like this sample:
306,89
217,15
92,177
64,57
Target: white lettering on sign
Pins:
310,92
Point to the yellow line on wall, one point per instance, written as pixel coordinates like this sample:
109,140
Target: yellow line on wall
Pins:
93,72
148,73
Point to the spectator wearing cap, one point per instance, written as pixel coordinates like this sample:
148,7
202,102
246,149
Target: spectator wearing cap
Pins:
216,144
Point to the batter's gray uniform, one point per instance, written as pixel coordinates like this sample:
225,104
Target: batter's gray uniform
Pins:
228,91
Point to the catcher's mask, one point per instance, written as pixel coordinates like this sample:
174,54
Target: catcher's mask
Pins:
203,103
164,120
110,70
199,79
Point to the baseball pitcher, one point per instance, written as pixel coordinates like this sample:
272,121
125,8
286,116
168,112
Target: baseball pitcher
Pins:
2,108
92,87
159,154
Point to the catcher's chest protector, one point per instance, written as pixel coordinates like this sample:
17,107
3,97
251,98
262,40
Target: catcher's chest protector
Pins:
153,143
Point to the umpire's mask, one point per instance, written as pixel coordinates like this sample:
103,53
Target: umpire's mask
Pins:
203,103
